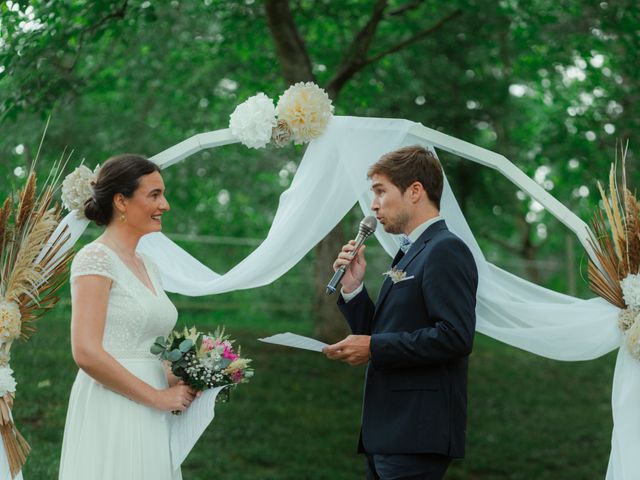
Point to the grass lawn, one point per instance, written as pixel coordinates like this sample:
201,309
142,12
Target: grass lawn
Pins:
529,418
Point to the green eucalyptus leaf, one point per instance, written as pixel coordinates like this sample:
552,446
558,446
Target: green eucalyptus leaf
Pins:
186,345
174,355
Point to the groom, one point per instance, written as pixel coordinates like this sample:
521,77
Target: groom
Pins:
417,337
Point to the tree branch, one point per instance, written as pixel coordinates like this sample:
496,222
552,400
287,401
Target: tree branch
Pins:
355,57
404,8
119,13
290,48
418,36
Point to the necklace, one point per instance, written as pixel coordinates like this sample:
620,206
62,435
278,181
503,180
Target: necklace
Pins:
139,270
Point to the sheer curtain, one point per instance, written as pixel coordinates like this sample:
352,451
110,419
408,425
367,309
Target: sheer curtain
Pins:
331,178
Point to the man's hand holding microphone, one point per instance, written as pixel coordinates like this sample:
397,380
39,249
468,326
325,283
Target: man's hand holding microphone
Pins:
350,267
355,266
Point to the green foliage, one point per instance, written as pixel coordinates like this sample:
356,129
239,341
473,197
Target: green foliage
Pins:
549,85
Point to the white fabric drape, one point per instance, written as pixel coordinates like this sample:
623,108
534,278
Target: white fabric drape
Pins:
331,178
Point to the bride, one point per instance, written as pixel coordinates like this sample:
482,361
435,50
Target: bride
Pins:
116,425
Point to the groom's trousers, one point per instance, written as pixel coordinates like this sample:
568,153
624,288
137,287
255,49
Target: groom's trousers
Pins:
407,467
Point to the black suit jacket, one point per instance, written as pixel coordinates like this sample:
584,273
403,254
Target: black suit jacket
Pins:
422,329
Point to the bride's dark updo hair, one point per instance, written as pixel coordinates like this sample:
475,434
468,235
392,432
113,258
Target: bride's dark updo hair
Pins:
119,174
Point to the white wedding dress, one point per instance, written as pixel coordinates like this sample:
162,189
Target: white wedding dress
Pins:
106,435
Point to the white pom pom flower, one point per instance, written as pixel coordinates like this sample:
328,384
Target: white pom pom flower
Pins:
631,291
77,189
253,120
10,323
7,382
307,109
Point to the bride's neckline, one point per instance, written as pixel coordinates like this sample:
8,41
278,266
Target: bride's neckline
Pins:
151,288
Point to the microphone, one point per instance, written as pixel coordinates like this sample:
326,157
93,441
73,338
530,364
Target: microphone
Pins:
366,228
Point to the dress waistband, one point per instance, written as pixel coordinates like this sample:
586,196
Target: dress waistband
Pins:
132,355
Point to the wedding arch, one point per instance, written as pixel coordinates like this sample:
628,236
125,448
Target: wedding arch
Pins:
331,178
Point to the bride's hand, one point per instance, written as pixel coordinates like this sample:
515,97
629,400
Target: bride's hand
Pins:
171,378
178,397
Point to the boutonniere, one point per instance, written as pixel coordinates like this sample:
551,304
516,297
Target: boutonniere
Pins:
397,275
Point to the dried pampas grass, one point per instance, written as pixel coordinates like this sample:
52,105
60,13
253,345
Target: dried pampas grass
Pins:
619,251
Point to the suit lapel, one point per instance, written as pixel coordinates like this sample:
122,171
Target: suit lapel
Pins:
401,262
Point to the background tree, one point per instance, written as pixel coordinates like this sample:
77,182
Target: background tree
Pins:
550,86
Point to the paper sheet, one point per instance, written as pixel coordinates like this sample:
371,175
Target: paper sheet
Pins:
289,339
190,425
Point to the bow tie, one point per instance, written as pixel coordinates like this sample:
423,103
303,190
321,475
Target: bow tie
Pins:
405,243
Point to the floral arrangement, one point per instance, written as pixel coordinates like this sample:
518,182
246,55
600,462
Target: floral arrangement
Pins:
77,188
616,279
203,360
302,113
32,270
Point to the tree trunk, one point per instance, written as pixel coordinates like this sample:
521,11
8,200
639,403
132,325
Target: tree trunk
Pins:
528,251
296,67
329,325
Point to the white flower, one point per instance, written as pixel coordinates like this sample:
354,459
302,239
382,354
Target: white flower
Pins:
631,290
7,382
253,120
307,109
77,189
9,321
209,362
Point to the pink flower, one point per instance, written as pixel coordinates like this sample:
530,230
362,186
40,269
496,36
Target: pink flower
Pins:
228,353
237,376
208,344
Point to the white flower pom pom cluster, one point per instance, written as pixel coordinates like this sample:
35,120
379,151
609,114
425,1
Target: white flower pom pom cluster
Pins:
631,290
77,189
301,115
7,382
307,109
253,120
10,321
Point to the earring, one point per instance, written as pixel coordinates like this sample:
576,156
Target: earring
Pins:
123,217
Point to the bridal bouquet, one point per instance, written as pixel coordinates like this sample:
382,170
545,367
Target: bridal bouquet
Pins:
203,360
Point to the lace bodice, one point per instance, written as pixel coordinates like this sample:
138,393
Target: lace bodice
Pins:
135,315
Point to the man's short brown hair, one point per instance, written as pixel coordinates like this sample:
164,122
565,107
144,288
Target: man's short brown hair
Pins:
411,164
